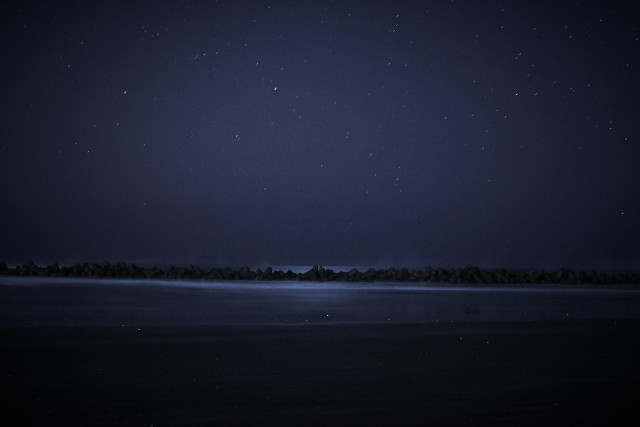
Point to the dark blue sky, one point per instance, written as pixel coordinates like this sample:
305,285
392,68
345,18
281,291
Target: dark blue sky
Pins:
498,133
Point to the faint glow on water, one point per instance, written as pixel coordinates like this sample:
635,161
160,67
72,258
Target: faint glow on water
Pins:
82,302
284,285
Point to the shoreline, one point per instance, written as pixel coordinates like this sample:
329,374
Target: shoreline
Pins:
467,275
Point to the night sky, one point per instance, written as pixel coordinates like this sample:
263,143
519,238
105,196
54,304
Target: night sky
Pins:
406,133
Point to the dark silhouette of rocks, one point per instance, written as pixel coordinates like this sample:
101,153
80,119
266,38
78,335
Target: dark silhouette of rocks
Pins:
469,274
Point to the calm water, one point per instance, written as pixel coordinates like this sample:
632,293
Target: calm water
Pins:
81,302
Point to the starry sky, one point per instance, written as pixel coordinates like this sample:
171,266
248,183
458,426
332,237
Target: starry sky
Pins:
380,133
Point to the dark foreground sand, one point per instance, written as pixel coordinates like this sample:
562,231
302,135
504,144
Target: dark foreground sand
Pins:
507,373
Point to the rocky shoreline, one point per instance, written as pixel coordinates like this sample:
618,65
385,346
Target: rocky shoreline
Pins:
468,274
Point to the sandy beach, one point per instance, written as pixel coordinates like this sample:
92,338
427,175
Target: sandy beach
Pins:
533,372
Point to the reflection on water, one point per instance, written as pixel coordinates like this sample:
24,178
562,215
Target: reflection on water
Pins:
46,301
